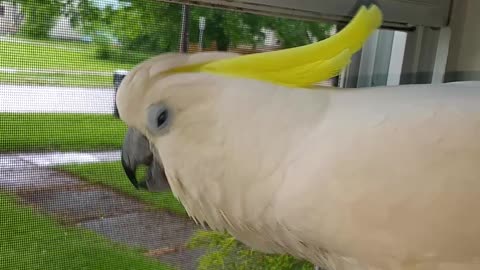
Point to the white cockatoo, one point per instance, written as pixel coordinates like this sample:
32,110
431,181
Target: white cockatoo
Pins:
379,178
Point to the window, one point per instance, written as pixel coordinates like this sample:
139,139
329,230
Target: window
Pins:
2,10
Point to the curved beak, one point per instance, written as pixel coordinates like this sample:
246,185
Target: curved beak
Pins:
135,152
129,170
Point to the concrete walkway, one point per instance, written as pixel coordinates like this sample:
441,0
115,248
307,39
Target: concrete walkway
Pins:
48,99
12,161
75,202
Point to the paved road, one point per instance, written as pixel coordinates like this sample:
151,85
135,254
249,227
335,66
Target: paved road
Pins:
47,99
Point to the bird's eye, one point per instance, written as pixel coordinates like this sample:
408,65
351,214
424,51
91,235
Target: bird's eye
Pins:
158,118
162,118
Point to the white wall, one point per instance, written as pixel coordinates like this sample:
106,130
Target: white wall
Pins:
10,19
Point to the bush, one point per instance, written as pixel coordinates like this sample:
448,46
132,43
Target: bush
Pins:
104,49
40,18
226,253
129,57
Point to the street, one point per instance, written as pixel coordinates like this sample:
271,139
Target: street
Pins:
47,99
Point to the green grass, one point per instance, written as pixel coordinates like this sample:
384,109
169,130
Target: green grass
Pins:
62,56
22,78
60,132
19,55
62,43
32,241
111,174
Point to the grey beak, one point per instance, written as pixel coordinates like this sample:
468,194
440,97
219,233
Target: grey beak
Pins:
136,152
156,180
130,171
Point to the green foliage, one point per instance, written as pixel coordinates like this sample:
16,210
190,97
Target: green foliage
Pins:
226,28
84,14
148,25
223,252
40,17
104,49
155,27
293,33
230,28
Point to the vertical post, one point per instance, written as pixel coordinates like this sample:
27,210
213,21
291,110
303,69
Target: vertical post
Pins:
350,74
413,48
382,57
185,34
338,81
396,61
118,76
367,63
426,56
441,55
201,27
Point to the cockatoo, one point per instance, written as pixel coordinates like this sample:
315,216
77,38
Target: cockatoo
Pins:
379,178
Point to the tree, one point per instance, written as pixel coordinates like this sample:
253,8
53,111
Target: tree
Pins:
148,25
293,33
40,16
84,14
154,26
225,28
230,28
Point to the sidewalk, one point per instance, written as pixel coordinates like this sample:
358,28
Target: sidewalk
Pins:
75,202
48,99
13,161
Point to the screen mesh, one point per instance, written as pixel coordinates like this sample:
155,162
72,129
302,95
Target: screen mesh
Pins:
65,202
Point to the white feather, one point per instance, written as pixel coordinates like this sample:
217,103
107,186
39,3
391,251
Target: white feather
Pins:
375,178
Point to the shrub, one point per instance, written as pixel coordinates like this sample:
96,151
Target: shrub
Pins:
226,253
104,49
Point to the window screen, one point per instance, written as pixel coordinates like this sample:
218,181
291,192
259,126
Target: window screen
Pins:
65,202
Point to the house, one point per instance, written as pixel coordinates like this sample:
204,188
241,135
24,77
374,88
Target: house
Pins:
63,30
11,18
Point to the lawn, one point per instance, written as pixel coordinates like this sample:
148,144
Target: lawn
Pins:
20,55
111,174
32,132
52,55
23,78
32,241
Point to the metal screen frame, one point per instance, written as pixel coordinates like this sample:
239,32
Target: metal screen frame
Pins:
398,14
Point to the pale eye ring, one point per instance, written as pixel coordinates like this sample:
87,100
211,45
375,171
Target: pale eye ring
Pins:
158,117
